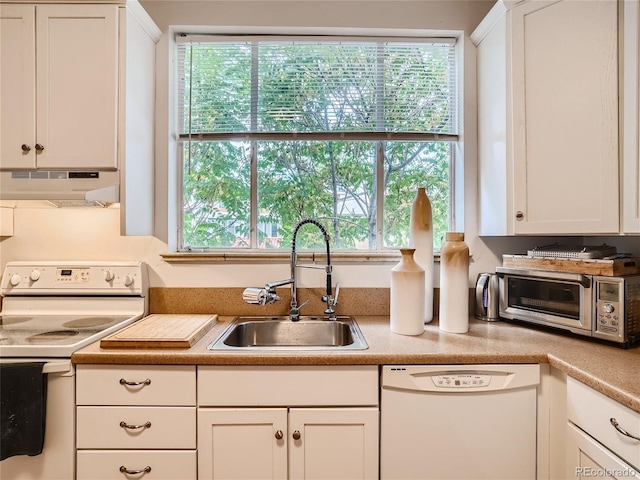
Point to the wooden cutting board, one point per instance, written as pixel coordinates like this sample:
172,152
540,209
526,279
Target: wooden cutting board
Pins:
618,266
161,331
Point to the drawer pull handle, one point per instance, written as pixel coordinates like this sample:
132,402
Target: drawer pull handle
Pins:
135,384
617,426
134,427
124,469
279,435
296,435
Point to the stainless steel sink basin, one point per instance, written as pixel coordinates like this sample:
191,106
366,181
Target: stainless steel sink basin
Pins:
280,333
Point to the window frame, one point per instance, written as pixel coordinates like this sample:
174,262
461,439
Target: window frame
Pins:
256,255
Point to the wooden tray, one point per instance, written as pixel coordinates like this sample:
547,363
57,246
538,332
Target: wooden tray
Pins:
609,268
161,331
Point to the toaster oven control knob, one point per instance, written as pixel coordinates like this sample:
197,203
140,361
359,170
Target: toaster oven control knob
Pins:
608,308
14,280
108,275
128,280
34,275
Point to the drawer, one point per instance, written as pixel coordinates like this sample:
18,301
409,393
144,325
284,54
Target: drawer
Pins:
164,464
166,427
292,386
135,385
592,412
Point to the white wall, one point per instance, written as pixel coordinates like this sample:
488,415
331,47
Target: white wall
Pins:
42,232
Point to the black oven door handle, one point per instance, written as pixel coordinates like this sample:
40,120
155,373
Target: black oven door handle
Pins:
583,280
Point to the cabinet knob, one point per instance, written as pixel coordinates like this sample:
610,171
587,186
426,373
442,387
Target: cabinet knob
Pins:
26,148
279,435
519,215
296,435
39,148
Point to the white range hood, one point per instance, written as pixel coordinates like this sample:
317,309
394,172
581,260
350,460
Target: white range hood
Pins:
55,185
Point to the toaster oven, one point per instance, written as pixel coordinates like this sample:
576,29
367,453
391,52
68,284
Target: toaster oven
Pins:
601,307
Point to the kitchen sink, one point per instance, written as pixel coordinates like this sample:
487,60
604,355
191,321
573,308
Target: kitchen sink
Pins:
280,333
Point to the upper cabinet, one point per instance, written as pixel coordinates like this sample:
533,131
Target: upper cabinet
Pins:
59,81
77,94
630,114
548,118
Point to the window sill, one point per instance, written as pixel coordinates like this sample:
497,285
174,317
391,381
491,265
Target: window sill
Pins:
283,257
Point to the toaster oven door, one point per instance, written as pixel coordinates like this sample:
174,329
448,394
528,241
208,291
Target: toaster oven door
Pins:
556,299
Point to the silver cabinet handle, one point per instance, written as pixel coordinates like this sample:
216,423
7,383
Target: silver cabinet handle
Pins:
296,435
617,426
39,148
279,435
135,384
134,427
25,148
124,469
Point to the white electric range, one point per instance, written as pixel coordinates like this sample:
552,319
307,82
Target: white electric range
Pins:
50,310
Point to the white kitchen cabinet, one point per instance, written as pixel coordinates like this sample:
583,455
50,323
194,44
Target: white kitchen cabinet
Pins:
291,422
59,98
630,114
135,418
77,94
595,448
548,118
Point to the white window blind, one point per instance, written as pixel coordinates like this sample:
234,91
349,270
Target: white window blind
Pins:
317,87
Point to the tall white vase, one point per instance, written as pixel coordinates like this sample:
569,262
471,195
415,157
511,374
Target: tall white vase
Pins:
421,238
407,295
454,284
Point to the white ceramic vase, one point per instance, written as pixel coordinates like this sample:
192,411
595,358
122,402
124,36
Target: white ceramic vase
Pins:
454,284
407,295
421,238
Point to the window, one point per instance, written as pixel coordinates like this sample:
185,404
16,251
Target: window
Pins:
344,131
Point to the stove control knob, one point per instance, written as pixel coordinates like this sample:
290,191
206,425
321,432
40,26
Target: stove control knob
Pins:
108,275
34,275
14,280
128,280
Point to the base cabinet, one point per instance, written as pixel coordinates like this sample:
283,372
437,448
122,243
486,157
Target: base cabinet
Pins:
590,459
337,443
288,422
136,422
603,436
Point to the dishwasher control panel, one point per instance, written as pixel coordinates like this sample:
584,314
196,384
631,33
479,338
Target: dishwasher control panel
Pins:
457,380
464,379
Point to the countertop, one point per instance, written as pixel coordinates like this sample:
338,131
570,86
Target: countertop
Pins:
610,370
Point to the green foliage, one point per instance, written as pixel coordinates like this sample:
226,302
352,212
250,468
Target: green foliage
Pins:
314,88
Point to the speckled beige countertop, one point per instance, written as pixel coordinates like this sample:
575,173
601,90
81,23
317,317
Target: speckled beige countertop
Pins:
610,370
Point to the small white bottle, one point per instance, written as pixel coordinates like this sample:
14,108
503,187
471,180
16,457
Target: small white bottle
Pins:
407,295
454,284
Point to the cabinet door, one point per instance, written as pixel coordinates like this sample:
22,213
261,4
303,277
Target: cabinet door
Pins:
630,105
589,459
333,443
77,86
244,443
17,86
565,116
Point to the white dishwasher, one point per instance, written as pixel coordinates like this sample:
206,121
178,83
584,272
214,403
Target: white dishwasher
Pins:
458,422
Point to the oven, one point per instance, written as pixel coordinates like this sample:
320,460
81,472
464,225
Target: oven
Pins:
600,307
50,310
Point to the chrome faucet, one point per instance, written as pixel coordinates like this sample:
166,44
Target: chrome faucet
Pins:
263,296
